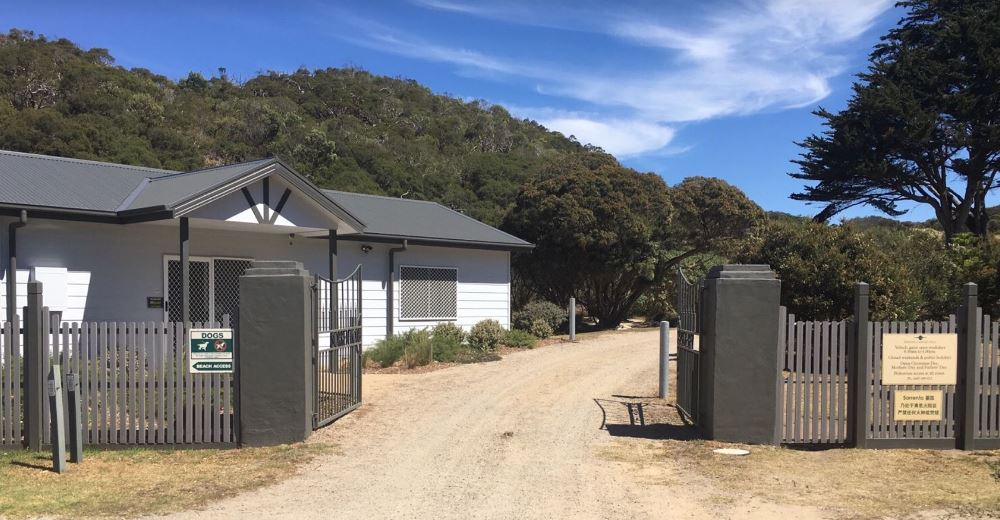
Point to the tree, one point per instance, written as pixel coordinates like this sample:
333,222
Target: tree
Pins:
923,124
607,234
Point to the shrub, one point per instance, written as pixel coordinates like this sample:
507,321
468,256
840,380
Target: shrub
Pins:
418,348
412,346
552,314
540,329
446,340
520,339
387,351
486,335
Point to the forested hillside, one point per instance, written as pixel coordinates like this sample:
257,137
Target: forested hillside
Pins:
345,128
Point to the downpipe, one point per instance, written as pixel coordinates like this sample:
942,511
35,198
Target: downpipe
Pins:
389,289
12,263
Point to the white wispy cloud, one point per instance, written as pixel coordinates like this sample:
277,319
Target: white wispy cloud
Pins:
732,59
619,136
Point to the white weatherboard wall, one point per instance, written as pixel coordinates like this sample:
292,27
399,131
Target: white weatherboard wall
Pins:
104,272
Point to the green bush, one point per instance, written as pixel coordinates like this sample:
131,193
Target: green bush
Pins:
540,329
486,335
520,339
554,315
446,340
413,347
418,348
387,351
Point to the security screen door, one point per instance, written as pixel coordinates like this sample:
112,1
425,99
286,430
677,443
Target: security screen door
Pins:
215,288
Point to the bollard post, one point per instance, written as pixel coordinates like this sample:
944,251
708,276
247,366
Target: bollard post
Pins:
664,359
34,367
572,319
56,420
75,420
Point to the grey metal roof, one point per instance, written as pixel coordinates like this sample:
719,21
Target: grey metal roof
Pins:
42,180
389,217
116,191
167,190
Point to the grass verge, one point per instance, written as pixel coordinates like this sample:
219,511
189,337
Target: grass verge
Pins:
846,483
132,482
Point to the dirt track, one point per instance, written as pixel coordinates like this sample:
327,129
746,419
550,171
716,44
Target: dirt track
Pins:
518,438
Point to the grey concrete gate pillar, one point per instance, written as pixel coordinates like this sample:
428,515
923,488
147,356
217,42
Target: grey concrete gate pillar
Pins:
275,354
739,354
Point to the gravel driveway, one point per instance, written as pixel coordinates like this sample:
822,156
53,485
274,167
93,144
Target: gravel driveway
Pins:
517,438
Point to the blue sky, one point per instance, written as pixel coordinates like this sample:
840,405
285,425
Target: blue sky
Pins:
680,88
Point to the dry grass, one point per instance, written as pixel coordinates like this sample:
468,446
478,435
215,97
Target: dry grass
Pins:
140,481
865,483
846,483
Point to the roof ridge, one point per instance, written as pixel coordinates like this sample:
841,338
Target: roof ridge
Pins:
85,161
174,175
380,196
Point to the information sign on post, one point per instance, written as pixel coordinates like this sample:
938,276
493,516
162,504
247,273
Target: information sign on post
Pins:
211,351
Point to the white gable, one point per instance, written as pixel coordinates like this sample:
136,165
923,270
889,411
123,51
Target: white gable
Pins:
296,211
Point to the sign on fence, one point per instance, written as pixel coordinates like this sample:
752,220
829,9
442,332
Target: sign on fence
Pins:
918,405
211,351
919,359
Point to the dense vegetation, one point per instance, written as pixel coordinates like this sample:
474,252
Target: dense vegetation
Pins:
344,128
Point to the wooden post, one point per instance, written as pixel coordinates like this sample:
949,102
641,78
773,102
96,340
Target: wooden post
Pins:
859,392
56,420
572,319
185,272
664,359
34,367
75,419
968,367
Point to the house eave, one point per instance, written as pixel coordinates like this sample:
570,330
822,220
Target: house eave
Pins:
438,242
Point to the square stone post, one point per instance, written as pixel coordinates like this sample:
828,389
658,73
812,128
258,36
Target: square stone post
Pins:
739,354
275,354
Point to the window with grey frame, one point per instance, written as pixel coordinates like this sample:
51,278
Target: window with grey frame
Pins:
428,293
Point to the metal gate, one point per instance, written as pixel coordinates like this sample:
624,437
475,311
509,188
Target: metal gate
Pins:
337,340
688,355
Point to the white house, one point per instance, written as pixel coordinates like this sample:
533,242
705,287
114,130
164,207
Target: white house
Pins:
108,243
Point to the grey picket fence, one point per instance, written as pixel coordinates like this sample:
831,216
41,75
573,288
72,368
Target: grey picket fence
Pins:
136,387
988,383
10,384
813,388
881,423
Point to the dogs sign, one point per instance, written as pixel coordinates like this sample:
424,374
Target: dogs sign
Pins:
211,351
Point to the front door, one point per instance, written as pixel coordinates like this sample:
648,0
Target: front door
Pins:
214,286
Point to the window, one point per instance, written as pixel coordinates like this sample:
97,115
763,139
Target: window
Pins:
214,285
428,293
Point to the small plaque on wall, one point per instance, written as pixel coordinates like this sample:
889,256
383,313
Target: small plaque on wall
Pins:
918,405
154,302
919,359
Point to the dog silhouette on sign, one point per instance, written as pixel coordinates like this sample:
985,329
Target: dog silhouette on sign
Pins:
203,347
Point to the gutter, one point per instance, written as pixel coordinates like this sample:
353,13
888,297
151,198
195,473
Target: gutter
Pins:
389,288
12,263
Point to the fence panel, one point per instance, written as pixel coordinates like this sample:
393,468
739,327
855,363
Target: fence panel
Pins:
135,384
988,382
882,423
10,383
814,381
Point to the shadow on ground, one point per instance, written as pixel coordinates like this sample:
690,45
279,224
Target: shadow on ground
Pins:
644,418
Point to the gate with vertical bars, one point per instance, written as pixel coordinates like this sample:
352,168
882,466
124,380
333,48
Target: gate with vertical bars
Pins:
337,347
